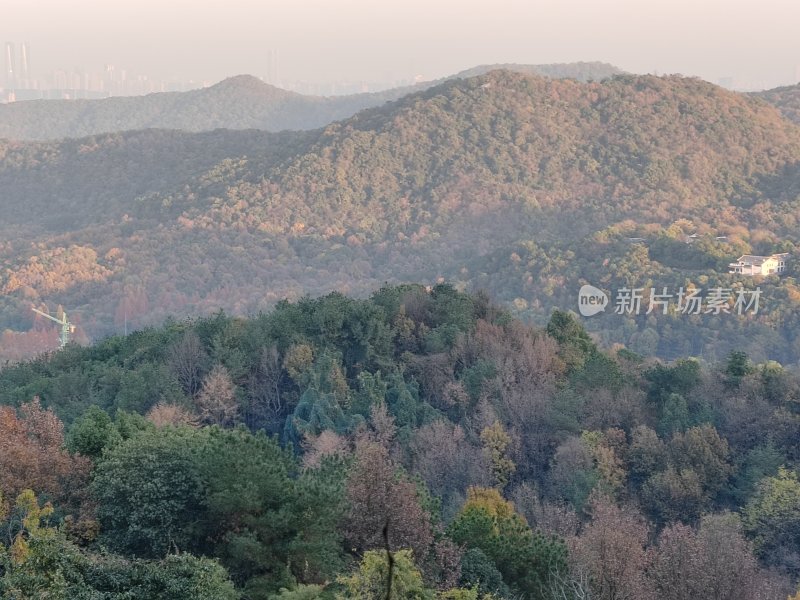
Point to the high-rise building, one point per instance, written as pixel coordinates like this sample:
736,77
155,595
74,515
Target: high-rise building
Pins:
10,67
24,69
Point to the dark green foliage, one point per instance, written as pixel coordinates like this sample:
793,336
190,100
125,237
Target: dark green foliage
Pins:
698,469
674,415
315,412
92,433
599,372
269,524
325,403
150,494
772,517
474,377
760,462
229,494
737,367
479,570
576,345
679,378
53,567
176,577
672,389
129,424
318,507
405,405
525,559
247,491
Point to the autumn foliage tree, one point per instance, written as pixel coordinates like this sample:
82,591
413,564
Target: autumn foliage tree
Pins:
381,496
713,561
495,443
216,402
443,456
612,551
32,455
175,415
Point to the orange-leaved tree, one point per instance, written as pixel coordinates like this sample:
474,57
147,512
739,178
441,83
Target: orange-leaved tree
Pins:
32,455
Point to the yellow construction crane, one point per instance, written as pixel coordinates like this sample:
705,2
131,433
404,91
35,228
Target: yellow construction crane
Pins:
67,328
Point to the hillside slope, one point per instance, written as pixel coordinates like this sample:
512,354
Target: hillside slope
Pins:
523,185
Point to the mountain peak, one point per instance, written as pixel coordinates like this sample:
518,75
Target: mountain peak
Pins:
242,82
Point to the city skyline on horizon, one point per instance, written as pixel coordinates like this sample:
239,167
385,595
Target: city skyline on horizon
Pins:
19,80
113,81
736,43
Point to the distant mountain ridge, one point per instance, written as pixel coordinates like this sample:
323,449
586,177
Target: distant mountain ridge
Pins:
786,99
240,102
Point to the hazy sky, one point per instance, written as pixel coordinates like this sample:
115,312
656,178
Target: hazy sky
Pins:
755,41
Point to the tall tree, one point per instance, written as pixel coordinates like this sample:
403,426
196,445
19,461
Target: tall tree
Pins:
216,402
381,496
32,456
772,517
188,360
612,549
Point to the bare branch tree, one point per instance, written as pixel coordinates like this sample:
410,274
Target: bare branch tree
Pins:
188,360
216,402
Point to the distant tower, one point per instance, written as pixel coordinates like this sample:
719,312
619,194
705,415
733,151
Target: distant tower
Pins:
24,69
272,67
10,66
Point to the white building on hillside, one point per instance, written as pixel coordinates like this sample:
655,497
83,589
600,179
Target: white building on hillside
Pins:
760,265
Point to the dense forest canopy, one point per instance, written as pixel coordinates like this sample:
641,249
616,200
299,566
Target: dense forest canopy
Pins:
276,457
525,186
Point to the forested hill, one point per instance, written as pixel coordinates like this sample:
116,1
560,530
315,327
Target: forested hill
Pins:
787,99
242,102
519,184
275,458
